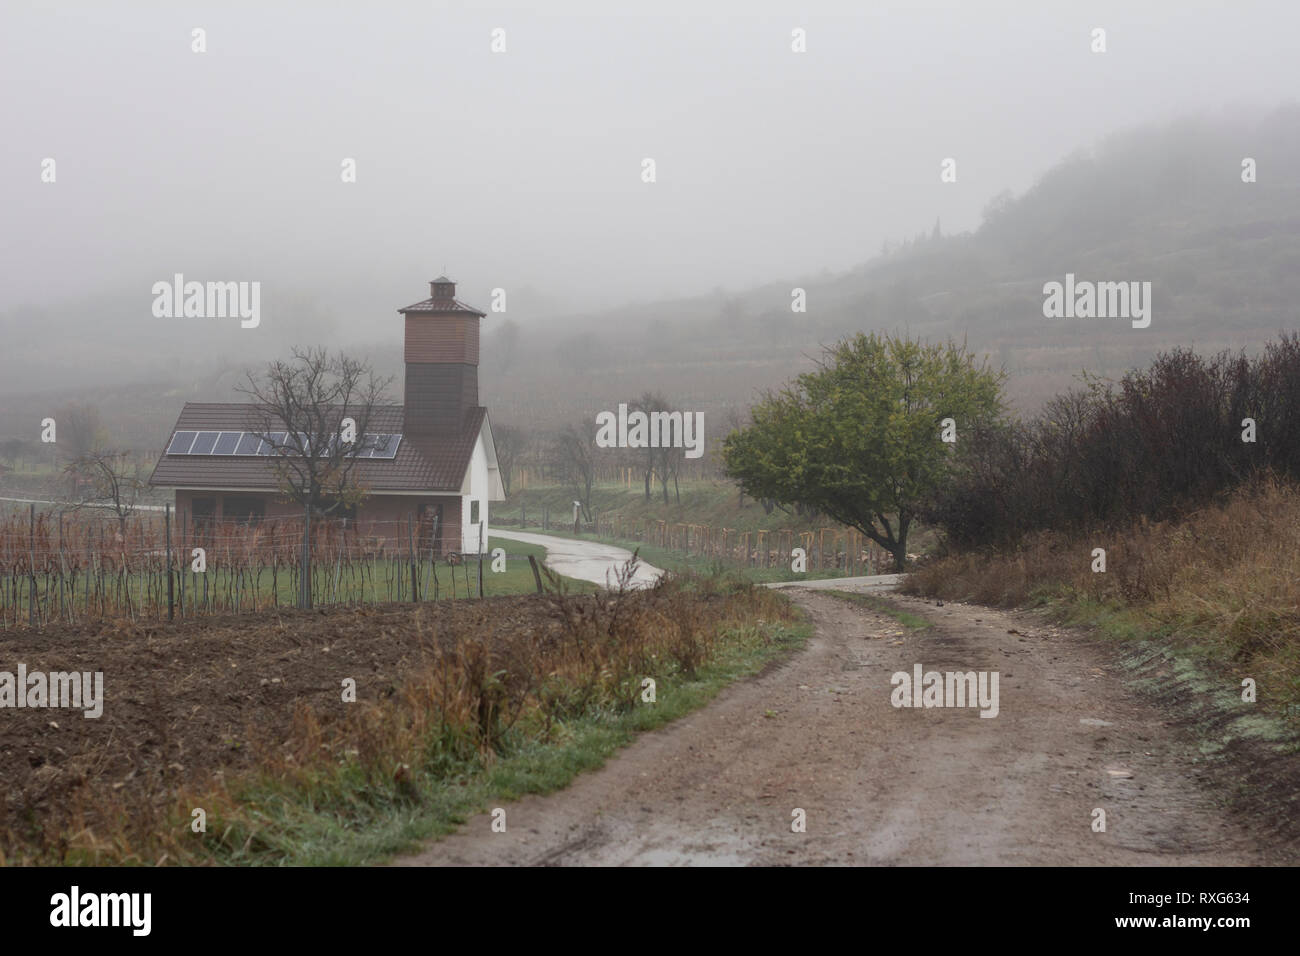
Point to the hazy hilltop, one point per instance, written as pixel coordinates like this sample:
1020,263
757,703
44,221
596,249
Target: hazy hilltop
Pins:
1164,204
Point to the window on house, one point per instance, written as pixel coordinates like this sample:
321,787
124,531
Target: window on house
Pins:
473,512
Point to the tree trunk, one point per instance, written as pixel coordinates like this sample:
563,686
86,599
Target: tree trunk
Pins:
900,557
304,577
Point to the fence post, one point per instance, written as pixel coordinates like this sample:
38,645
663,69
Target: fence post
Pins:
90,575
180,571
62,602
31,576
537,577
171,596
304,574
434,548
410,543
480,559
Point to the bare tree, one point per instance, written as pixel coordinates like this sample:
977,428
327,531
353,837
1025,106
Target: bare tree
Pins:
670,463
573,456
511,444
315,413
115,481
650,402
662,461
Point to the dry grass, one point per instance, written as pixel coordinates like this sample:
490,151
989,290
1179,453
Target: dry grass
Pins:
1225,580
451,694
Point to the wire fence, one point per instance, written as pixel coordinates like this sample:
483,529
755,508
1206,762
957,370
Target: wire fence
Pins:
828,548
74,567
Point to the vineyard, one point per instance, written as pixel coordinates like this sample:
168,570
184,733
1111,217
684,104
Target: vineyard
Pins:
831,548
76,567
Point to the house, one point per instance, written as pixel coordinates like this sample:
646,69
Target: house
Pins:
430,459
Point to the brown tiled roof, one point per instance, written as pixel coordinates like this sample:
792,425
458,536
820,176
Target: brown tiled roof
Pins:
429,306
434,463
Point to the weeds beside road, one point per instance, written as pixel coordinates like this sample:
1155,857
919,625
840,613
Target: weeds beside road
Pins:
243,717
1206,611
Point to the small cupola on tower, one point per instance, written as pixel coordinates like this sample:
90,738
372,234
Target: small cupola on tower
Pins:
441,353
442,289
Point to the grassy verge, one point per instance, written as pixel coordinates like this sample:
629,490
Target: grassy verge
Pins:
294,827
517,578
1221,586
484,712
702,502
1205,615
909,620
680,563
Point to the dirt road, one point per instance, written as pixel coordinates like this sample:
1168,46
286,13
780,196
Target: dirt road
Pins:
886,785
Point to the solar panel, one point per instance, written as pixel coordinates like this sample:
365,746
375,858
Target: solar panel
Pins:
371,445
226,443
386,446
203,443
181,443
273,446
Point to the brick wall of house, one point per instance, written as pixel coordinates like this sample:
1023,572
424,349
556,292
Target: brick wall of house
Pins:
381,517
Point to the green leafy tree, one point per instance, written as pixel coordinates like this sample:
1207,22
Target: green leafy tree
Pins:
861,438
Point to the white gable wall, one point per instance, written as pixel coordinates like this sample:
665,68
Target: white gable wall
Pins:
482,484
478,491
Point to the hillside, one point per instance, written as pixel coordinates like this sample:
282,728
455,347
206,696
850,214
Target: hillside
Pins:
1160,204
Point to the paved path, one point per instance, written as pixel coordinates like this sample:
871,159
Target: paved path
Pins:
73,504
600,563
584,560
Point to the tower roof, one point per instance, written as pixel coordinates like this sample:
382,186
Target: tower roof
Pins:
442,299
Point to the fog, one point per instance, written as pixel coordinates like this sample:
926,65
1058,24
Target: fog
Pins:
522,170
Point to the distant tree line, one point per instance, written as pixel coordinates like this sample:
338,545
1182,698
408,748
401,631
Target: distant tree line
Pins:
570,456
1158,443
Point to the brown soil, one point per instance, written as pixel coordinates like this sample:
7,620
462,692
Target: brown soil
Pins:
882,785
189,701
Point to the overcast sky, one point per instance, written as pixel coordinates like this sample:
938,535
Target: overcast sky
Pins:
523,169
